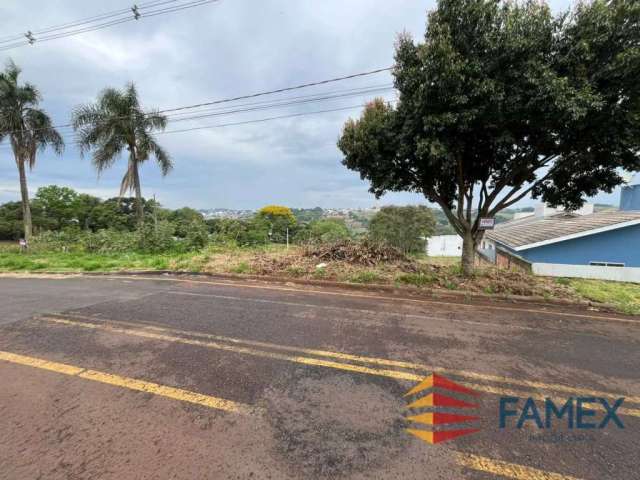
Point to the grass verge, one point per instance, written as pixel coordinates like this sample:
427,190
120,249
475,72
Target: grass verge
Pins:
273,260
85,262
624,296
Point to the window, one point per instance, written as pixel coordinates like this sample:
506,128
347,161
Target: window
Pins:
606,264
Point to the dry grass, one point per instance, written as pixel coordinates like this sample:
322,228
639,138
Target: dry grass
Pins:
422,272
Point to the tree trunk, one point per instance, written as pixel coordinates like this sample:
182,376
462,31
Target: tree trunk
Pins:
468,253
24,193
138,189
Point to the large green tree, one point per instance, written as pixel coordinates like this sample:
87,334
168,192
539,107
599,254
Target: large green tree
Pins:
406,228
117,122
57,207
504,100
28,128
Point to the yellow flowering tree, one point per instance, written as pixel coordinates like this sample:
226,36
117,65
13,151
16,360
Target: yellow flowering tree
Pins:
280,219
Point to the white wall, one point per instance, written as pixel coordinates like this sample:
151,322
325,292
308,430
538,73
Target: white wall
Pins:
444,246
618,274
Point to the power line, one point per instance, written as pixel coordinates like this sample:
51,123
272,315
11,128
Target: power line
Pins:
357,90
86,20
73,140
259,120
248,122
285,102
252,95
280,90
148,9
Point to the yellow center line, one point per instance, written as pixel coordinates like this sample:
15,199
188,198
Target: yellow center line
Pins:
475,462
383,297
506,469
400,375
129,383
373,360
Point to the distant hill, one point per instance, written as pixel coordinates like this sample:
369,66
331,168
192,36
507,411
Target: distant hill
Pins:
357,219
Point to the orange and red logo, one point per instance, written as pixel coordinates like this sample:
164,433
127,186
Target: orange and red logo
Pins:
427,409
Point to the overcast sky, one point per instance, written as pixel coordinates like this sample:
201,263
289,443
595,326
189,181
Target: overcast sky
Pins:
219,50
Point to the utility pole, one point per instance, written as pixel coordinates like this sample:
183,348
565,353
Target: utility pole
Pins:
155,213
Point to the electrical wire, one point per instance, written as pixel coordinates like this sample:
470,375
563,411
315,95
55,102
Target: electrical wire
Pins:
149,9
285,102
92,19
74,141
259,120
280,90
252,95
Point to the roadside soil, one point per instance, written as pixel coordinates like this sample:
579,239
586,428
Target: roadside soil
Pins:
299,263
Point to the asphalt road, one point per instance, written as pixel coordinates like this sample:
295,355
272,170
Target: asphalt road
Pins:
189,378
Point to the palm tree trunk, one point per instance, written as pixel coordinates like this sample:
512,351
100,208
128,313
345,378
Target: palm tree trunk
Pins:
24,193
138,189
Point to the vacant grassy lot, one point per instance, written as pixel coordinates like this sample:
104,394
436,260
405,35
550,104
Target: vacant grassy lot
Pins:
275,260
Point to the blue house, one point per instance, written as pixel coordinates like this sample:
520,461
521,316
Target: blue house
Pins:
604,239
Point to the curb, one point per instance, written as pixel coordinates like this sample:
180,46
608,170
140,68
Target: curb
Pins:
405,291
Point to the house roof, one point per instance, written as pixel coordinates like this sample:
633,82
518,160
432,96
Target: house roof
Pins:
530,232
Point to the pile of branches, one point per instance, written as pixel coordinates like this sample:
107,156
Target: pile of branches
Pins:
363,252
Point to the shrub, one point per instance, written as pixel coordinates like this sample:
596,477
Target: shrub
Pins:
254,232
365,277
108,241
328,230
155,238
65,240
416,279
197,235
242,267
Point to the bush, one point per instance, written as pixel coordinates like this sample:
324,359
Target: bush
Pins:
155,238
108,241
197,235
365,277
65,240
417,279
254,232
328,230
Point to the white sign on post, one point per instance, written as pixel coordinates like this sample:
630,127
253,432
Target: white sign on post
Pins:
487,223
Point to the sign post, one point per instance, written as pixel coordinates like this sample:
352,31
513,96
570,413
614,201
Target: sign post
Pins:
487,223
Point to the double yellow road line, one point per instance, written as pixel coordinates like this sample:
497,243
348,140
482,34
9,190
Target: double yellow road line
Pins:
474,462
337,361
125,382
307,356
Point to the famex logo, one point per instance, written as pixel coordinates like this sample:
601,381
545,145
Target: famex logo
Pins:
444,413
427,409
575,413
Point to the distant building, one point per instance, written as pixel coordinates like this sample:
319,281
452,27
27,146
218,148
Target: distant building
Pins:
444,246
574,244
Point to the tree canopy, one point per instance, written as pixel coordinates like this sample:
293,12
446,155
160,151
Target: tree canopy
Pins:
504,100
279,219
117,122
406,228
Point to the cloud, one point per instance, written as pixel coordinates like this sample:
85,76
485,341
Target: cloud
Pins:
224,49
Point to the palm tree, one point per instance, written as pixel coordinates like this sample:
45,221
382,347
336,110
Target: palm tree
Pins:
29,130
117,122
